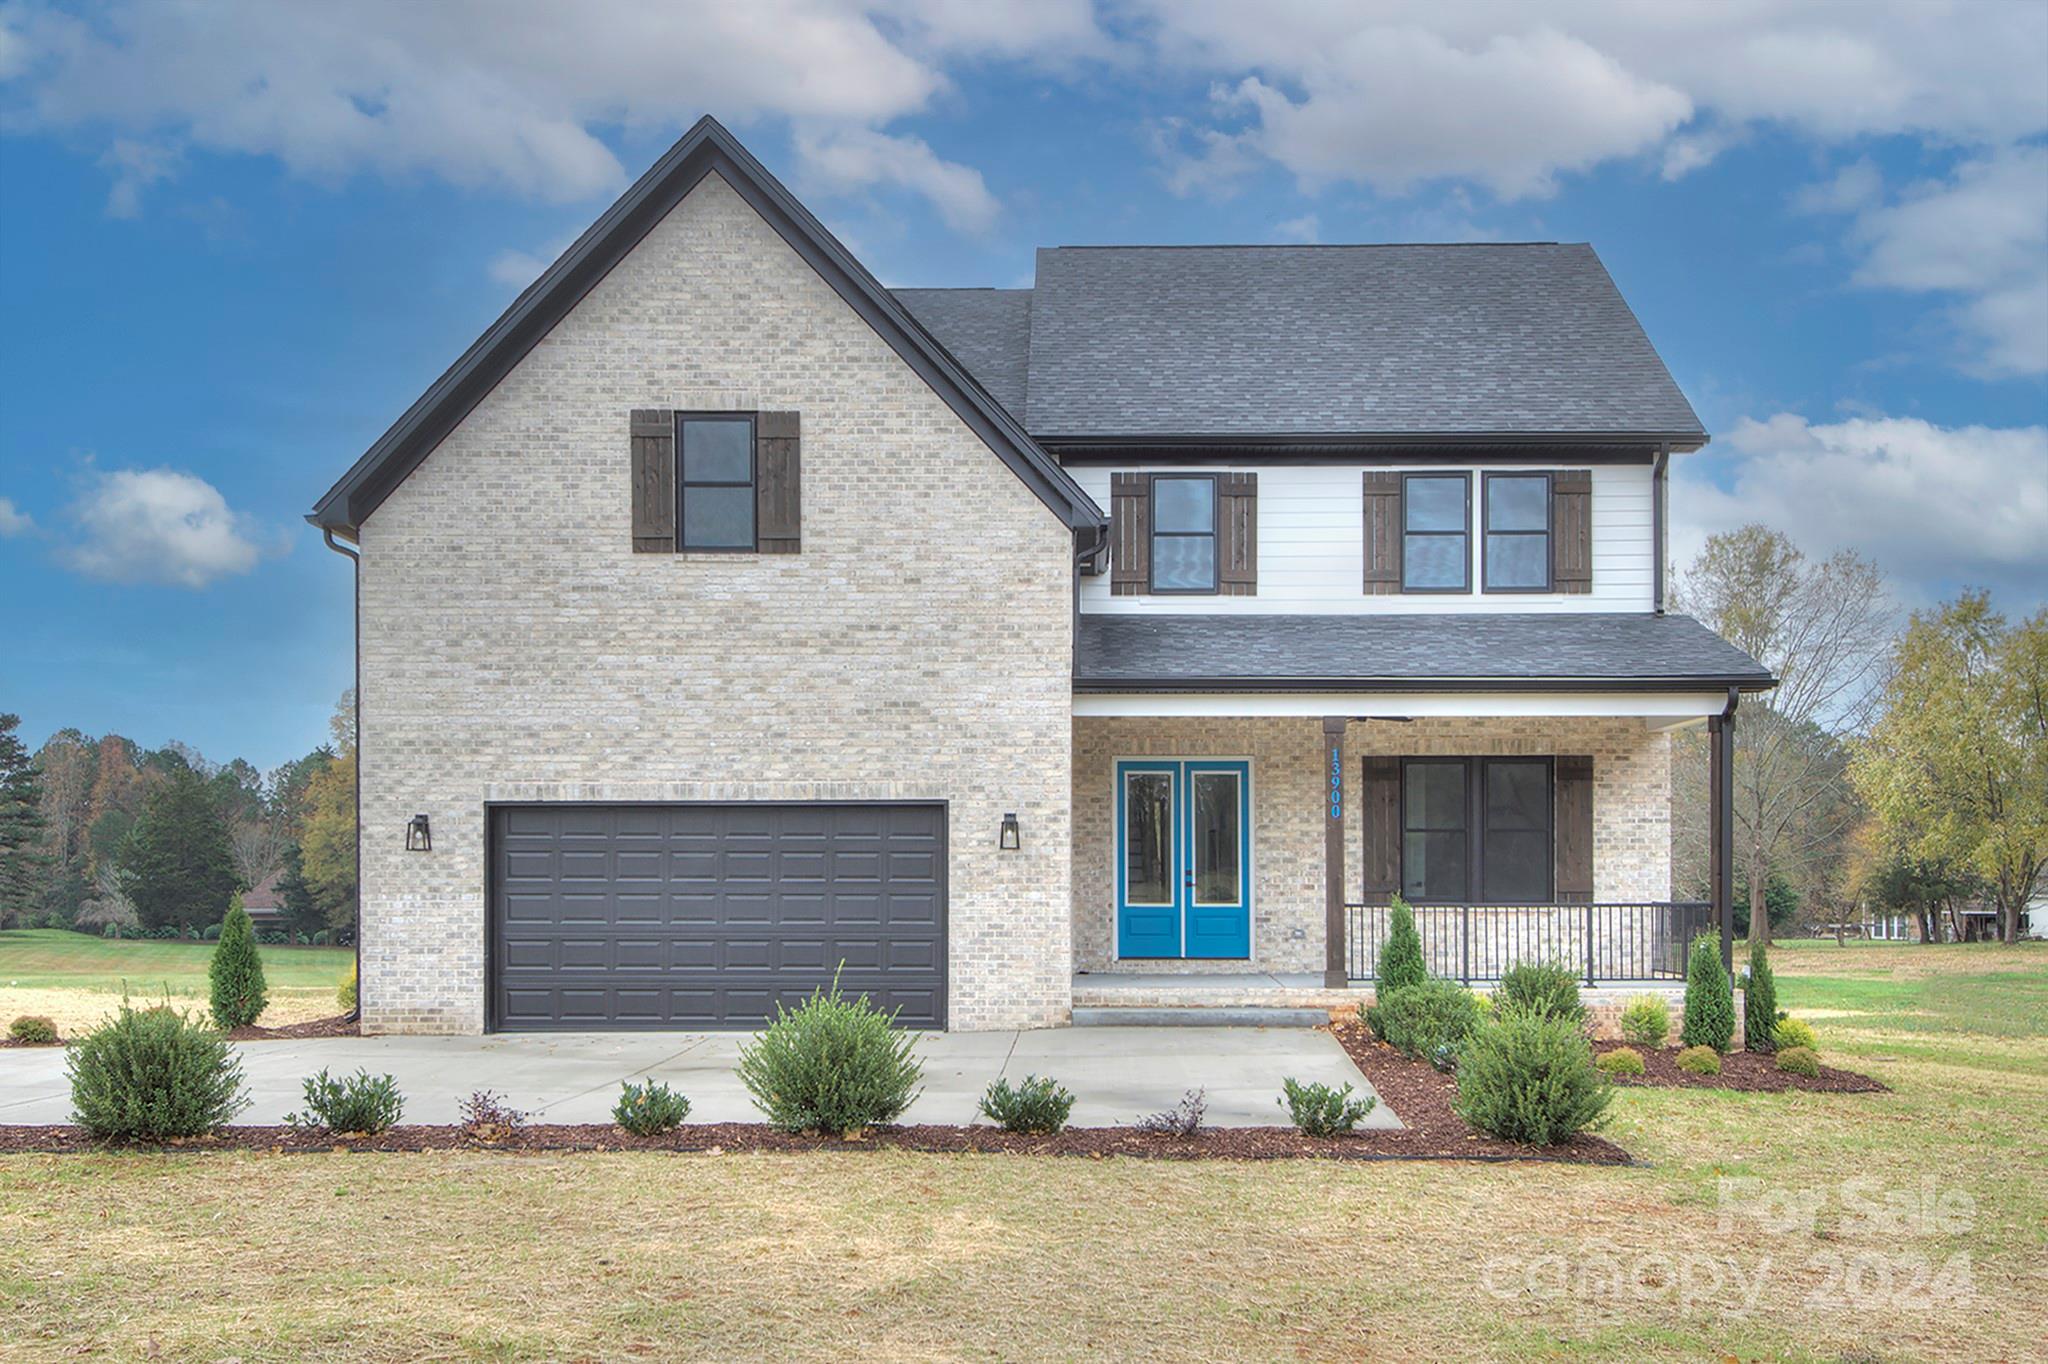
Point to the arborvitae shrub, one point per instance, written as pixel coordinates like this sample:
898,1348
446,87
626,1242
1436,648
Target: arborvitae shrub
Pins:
236,972
1400,961
1760,1003
1709,998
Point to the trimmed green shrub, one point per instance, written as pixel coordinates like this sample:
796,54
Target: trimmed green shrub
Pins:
210,933
151,1074
1530,1078
1646,1021
650,1109
1323,1110
1400,963
1795,1032
1417,1019
1621,1061
1709,998
33,1028
356,1103
1545,987
236,972
831,1064
1700,1060
1760,1002
1799,1061
345,995
1039,1104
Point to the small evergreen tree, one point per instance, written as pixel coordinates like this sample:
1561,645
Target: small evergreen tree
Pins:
1760,1003
1709,999
236,972
1401,958
21,825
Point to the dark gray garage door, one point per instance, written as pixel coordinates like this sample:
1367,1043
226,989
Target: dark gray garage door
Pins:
705,916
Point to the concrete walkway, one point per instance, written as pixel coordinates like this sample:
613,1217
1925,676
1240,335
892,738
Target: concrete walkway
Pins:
1116,1074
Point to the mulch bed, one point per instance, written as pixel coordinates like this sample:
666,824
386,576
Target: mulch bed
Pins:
6,1041
1749,1071
341,1025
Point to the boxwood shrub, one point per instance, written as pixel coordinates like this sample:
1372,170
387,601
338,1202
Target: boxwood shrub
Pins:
1799,1061
1418,1019
1529,1077
1545,987
1795,1032
1323,1110
1621,1061
1646,1022
649,1109
1038,1104
1700,1061
831,1064
151,1074
33,1028
355,1103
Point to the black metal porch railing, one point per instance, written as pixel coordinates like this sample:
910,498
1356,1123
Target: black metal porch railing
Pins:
1605,943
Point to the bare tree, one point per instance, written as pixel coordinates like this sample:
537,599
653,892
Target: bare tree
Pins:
1823,629
259,843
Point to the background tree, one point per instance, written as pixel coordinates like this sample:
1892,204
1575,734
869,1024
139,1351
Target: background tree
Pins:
1956,768
1888,878
21,825
327,841
177,867
1821,628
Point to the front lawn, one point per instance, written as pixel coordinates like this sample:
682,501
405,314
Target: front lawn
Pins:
894,1255
77,978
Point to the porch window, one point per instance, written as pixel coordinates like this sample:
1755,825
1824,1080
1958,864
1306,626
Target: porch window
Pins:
1436,533
1183,533
1481,825
1517,533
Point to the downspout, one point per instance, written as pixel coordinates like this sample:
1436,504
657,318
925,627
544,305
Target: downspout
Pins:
355,559
1660,471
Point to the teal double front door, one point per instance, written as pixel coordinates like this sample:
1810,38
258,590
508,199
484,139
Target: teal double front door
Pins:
1183,858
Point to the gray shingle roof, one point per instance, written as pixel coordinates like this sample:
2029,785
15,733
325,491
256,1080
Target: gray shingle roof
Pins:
1123,651
1484,339
987,330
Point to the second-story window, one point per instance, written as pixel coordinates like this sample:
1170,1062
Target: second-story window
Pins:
1436,533
1183,533
1517,533
715,483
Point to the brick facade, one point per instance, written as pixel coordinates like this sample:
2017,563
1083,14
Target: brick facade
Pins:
513,647
1631,813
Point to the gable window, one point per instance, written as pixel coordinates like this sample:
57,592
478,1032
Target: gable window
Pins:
1183,533
1476,830
1517,533
715,482
1436,533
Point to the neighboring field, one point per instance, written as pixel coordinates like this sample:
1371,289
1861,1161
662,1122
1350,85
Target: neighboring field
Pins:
900,1256
77,979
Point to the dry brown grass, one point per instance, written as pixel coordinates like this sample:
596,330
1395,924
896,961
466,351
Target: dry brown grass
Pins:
76,1012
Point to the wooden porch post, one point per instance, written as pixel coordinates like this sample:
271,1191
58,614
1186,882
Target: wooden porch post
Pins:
1721,824
1336,973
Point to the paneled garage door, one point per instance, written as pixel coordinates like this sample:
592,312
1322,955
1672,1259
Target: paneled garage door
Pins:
704,916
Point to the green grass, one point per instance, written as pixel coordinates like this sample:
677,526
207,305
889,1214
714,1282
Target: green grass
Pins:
78,977
831,1255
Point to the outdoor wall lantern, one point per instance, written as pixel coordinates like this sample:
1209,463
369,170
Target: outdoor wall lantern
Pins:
1009,841
418,837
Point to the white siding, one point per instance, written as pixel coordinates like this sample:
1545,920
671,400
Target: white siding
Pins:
1312,547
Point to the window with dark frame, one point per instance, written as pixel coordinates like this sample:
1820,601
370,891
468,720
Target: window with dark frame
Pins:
1436,533
1517,533
1183,533
1477,824
715,476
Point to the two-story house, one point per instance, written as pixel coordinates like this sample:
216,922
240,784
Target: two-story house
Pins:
727,620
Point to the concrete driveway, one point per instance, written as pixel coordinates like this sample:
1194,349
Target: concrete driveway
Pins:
1117,1074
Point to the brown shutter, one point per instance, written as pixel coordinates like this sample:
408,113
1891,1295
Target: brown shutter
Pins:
1382,532
654,480
778,491
1573,814
1571,530
1237,535
1130,534
1379,805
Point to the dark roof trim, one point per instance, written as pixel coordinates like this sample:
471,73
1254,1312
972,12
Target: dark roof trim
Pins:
1352,442
1606,683
707,147
1371,456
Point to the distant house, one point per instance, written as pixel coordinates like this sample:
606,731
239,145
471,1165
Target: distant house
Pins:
264,903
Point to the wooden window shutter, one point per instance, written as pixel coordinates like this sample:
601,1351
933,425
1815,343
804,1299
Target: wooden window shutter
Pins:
1571,530
1382,532
653,440
1237,535
1130,534
1573,816
1379,804
778,490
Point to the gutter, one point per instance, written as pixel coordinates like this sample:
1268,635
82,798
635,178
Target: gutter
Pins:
1660,474
355,559
1109,685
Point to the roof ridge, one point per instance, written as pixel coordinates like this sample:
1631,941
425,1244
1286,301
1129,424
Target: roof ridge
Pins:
1289,246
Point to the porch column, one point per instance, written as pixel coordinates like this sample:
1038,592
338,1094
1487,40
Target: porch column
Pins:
1721,824
1336,974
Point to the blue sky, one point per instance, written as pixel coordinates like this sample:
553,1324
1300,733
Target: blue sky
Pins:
227,266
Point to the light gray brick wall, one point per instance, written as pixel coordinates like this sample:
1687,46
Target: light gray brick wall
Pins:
513,646
1631,813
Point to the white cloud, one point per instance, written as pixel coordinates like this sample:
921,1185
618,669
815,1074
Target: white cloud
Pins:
135,166
517,269
1308,228
13,520
850,159
1934,506
160,526
1851,189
